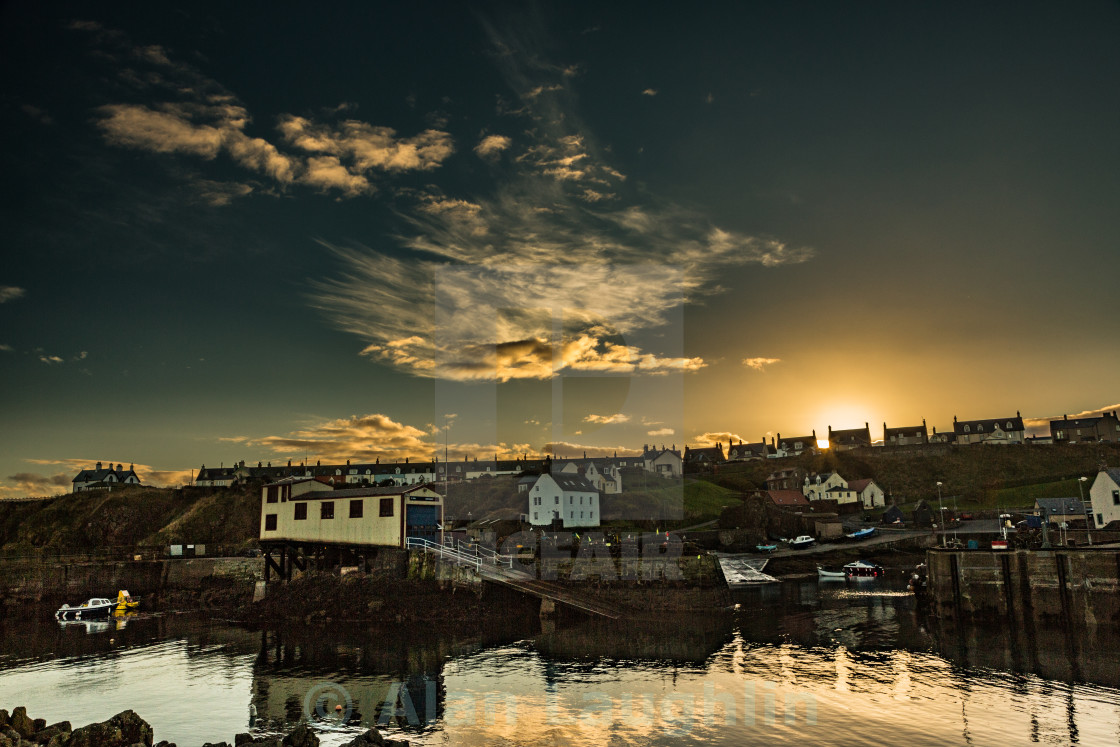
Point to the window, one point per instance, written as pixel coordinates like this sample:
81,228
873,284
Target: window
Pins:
1116,497
534,516
270,522
301,511
591,514
356,509
273,493
1100,519
1008,425
980,428
326,510
967,429
386,507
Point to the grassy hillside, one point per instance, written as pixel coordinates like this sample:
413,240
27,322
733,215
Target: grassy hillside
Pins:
132,517
971,473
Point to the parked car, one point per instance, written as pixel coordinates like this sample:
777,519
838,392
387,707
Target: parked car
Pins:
966,516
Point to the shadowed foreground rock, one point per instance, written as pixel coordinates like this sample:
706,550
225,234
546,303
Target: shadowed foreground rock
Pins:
127,729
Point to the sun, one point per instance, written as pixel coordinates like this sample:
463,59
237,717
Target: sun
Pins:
822,443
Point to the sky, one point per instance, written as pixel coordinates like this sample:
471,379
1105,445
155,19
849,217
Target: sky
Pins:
262,232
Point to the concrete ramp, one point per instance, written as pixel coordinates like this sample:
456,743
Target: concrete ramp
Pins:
740,571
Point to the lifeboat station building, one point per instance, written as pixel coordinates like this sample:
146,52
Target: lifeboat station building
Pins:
304,521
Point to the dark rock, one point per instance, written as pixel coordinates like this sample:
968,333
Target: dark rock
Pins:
39,724
301,736
10,733
164,743
216,744
6,741
21,723
63,726
4,716
268,741
59,740
370,738
242,738
123,730
43,736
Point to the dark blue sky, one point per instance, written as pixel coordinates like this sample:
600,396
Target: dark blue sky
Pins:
271,230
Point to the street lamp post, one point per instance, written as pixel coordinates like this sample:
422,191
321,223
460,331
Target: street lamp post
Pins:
942,509
1089,513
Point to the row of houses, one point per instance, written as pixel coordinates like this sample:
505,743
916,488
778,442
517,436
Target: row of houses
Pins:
992,431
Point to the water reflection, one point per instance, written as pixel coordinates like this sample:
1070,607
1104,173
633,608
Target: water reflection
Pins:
793,663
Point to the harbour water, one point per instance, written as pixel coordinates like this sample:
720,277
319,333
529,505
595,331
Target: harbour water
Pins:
793,663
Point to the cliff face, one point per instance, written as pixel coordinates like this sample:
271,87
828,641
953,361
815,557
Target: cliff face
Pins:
132,517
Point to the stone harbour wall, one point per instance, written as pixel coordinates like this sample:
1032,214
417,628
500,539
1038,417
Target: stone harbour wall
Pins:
1063,586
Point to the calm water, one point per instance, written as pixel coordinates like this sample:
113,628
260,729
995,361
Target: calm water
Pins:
795,663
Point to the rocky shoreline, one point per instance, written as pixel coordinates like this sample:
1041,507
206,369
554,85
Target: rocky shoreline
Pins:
127,729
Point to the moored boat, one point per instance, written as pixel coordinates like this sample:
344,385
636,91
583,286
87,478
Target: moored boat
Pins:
802,541
863,569
861,534
94,608
765,548
824,574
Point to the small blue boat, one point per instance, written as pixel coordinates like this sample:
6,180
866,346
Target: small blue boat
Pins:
861,534
765,548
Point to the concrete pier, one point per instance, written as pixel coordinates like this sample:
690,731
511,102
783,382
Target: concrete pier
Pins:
1071,587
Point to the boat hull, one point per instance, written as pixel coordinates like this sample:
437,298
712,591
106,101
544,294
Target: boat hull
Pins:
85,613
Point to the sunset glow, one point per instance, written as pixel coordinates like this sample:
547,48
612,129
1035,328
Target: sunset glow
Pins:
230,261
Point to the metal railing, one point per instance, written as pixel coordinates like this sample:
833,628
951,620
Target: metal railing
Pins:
469,552
444,551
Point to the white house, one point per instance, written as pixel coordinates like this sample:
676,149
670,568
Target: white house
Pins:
567,497
665,462
1105,497
814,487
868,493
301,509
100,478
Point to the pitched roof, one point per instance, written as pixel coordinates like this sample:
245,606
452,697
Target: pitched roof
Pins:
850,435
907,431
787,497
577,483
987,426
1060,506
859,485
99,475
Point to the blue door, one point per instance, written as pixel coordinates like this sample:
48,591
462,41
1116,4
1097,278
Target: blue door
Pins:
422,521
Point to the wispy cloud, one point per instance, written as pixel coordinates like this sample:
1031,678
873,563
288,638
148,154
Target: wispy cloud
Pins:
661,432
649,92
5,348
11,293
51,360
561,237
617,417
760,364
567,450
195,116
711,438
374,437
492,146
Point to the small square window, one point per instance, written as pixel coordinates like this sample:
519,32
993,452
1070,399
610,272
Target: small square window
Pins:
301,511
356,509
386,507
270,522
273,493
326,510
